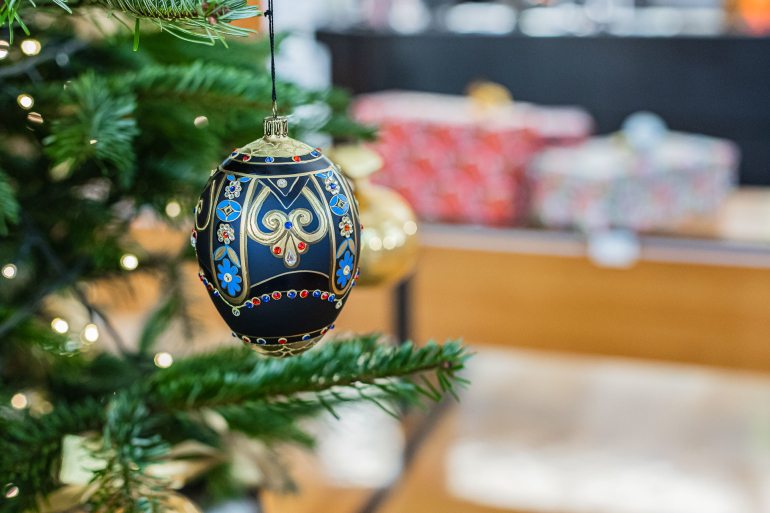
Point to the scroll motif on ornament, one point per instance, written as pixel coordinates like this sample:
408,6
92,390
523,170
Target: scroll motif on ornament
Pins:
287,239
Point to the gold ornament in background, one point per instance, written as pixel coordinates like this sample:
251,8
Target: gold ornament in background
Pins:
389,240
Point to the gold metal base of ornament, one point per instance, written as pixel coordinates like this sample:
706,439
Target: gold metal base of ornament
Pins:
285,350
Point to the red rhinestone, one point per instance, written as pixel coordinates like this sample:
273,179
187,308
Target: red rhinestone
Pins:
276,295
201,277
325,295
247,158
255,301
301,246
323,331
296,159
247,340
277,251
304,293
281,340
318,149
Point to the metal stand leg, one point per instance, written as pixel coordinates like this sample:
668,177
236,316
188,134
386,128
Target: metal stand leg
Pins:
402,311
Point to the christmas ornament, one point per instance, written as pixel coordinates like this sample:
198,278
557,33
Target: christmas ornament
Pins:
278,238
389,244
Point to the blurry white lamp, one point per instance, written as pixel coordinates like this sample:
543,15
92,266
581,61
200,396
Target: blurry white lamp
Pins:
91,333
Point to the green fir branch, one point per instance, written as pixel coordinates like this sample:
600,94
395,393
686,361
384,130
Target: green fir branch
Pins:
30,448
100,128
9,207
235,377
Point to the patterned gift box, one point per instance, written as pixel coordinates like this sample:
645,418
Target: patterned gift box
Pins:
456,161
606,183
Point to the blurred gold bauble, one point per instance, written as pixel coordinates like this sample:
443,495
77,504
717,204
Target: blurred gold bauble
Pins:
389,240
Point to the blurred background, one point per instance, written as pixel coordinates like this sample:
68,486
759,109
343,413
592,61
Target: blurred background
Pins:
589,185
581,191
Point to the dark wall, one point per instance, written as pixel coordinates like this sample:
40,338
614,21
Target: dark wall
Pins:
713,86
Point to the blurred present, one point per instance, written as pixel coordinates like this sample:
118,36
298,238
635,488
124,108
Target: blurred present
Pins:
459,159
644,178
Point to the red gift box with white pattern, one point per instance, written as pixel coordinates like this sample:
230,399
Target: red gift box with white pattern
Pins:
457,161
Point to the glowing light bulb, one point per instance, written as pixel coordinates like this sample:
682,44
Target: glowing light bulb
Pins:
11,491
201,122
410,227
173,209
25,100
9,271
19,401
92,141
163,360
129,261
60,325
91,333
30,46
3,49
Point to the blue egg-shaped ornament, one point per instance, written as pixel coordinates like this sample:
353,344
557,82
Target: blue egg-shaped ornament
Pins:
278,238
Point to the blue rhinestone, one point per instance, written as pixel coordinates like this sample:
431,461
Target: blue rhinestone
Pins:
353,284
333,186
331,297
314,153
287,225
205,282
236,336
331,327
317,293
265,298
260,341
216,293
234,154
194,211
291,294
306,337
249,304
269,159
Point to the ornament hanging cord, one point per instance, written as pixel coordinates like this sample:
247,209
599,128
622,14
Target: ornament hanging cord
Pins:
270,15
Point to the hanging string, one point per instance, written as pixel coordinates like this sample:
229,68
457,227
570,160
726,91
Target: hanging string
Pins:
269,14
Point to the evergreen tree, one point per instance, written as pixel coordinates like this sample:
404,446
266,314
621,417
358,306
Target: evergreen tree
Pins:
91,131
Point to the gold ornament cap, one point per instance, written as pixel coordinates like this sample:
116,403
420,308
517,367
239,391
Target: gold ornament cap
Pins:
276,127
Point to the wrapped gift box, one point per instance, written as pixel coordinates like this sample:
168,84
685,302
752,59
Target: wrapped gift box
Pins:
606,183
455,160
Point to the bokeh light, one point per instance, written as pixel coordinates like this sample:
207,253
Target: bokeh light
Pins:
9,271
91,333
60,325
173,209
25,100
129,262
30,46
163,360
19,401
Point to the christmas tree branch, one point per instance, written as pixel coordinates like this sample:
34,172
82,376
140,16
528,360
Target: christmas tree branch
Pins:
193,20
232,378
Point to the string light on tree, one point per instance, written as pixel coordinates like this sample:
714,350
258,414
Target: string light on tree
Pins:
25,100
34,117
173,209
9,271
60,325
201,122
91,333
30,46
163,360
11,491
3,49
19,401
129,262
